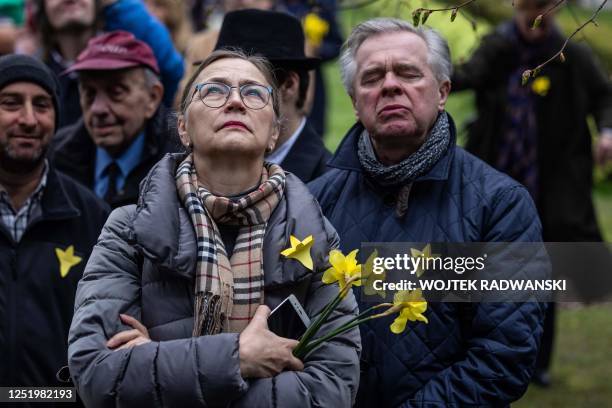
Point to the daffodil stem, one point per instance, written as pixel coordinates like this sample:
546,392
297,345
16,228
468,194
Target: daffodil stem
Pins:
348,326
312,330
307,347
366,312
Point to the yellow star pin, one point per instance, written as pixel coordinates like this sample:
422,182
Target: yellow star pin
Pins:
541,85
300,250
67,259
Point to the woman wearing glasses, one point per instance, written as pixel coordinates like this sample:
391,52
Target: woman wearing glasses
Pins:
172,307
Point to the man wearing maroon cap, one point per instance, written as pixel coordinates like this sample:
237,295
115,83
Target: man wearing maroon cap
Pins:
123,132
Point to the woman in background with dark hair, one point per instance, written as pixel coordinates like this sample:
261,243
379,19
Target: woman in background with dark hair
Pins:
64,27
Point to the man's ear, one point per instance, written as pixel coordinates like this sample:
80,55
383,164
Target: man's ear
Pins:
290,89
355,108
309,100
156,92
444,91
182,131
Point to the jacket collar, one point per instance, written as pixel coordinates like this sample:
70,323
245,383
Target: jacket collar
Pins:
126,161
305,155
159,201
167,240
56,204
346,157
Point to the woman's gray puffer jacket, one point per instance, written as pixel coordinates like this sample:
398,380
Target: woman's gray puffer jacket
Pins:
143,265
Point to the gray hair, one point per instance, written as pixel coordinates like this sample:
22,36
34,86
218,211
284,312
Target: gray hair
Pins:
151,78
438,56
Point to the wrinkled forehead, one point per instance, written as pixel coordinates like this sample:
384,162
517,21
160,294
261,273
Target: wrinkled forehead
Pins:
391,48
111,76
232,71
24,88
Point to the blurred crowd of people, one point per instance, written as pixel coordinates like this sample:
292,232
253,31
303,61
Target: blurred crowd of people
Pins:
57,31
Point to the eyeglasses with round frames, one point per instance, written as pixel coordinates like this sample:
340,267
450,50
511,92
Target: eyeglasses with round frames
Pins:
216,94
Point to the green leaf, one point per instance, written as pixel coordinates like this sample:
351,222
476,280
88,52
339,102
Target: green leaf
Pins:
416,17
537,22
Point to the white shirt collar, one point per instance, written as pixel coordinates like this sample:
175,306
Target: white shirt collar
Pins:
278,155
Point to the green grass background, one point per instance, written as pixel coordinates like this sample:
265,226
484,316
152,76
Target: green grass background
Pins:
582,364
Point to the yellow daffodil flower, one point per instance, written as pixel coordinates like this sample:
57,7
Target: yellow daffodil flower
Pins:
411,306
368,276
344,269
426,253
300,251
315,29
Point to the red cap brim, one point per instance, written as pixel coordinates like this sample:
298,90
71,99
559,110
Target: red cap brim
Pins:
102,64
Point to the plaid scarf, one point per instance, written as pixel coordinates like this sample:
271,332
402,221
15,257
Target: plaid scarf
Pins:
227,291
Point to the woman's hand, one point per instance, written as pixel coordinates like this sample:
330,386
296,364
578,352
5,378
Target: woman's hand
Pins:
129,338
263,353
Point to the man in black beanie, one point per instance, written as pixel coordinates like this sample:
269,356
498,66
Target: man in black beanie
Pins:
48,226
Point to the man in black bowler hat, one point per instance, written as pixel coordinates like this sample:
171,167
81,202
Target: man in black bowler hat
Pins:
279,38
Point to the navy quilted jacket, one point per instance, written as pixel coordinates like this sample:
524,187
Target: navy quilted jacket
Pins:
478,355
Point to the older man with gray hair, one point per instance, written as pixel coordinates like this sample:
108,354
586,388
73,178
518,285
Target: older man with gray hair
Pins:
398,176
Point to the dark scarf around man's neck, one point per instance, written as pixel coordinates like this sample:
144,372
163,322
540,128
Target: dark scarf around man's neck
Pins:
401,175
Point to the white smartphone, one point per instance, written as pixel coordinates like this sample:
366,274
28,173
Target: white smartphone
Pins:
289,319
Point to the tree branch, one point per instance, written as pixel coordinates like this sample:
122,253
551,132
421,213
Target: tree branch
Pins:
421,14
529,73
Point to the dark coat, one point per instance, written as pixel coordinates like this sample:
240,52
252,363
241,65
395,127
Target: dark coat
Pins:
144,265
74,153
36,302
70,106
578,88
328,50
308,157
482,359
